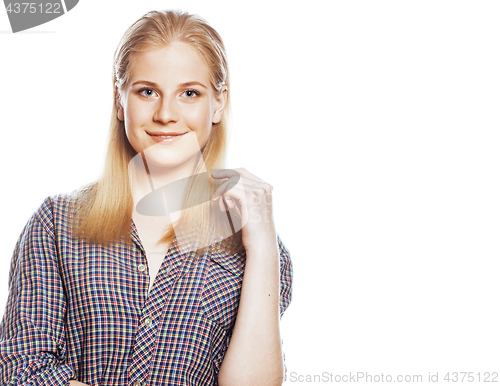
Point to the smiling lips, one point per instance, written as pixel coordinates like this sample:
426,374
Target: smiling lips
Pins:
166,137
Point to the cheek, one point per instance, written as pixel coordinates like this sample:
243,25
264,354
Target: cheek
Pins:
134,120
136,115
199,119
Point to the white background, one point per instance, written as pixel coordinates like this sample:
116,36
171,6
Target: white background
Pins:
377,123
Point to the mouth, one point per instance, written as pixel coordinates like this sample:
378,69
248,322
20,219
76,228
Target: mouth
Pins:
167,137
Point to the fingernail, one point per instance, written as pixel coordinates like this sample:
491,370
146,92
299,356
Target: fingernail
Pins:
214,173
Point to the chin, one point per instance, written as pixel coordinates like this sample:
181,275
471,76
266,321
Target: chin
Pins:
165,162
172,160
172,156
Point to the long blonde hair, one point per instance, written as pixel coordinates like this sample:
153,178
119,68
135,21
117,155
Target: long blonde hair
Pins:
105,207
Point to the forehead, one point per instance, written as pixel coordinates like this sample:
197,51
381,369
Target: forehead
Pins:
176,63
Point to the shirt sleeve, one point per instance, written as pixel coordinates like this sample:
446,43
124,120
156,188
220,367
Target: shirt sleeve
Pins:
286,284
32,335
286,277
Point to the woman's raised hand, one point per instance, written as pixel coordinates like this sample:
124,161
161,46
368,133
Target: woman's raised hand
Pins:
253,199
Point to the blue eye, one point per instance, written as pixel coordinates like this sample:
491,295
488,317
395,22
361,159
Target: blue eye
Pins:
191,93
147,92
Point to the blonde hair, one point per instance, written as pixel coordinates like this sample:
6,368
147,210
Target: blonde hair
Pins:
105,207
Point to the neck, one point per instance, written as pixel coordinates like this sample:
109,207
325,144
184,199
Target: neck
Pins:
146,177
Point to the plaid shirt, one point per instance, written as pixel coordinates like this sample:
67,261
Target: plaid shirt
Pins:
82,311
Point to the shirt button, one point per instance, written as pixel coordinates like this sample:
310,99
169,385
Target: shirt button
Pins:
141,268
147,322
137,383
169,268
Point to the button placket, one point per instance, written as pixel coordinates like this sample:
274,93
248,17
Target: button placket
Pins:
151,314
146,329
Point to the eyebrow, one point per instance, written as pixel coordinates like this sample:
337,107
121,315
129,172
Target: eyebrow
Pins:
182,85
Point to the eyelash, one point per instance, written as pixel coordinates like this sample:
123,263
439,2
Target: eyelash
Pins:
140,91
193,91
197,93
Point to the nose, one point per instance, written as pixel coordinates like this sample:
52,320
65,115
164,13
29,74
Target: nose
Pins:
166,112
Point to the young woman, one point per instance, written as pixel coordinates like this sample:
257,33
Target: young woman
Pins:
162,272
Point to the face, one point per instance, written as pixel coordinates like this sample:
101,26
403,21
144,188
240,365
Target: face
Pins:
169,105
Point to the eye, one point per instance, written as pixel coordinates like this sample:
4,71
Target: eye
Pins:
190,94
147,92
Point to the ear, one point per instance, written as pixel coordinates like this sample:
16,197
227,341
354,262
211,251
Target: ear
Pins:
220,103
120,114
119,108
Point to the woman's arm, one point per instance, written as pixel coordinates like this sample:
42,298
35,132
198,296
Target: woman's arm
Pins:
32,334
254,355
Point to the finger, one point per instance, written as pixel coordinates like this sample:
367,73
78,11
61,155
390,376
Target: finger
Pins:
229,201
234,198
225,186
245,173
248,184
241,192
233,204
226,202
221,204
226,173
240,198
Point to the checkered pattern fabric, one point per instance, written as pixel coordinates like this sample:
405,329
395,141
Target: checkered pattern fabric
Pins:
82,311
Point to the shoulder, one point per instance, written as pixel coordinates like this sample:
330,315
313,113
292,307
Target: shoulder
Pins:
58,210
54,208
284,252
285,261
233,263
286,276
37,240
